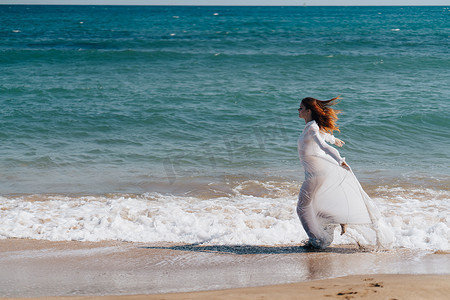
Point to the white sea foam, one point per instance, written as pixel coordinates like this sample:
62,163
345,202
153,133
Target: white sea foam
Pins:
418,218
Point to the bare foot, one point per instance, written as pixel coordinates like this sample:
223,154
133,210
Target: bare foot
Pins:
343,228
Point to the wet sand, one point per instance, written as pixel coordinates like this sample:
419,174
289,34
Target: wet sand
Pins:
30,268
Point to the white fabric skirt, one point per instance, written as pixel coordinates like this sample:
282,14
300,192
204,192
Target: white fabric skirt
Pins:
332,195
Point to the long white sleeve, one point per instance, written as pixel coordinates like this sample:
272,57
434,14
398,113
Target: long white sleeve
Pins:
324,146
329,138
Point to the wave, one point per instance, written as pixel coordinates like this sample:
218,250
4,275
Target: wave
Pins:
249,212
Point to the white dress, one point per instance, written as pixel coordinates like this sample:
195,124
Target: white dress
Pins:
330,195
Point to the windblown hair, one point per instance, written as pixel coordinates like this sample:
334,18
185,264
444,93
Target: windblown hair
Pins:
322,113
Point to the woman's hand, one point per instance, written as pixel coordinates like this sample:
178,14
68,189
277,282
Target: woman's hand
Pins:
345,165
339,142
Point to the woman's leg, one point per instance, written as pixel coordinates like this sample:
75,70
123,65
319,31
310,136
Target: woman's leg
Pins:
343,228
320,235
305,211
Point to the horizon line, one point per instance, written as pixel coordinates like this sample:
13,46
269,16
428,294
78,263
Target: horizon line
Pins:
212,5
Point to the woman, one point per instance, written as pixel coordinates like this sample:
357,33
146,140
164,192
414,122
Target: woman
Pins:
331,194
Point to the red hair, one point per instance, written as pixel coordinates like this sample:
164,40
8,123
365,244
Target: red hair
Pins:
322,113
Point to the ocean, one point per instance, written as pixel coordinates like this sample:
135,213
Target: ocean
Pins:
180,124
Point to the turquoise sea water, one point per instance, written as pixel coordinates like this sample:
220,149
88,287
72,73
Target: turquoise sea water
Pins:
138,99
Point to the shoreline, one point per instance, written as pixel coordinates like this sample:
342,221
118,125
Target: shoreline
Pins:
379,286
35,268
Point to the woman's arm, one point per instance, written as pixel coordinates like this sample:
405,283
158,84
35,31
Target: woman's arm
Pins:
329,138
325,147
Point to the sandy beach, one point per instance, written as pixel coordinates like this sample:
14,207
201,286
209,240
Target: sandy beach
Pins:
31,268
348,287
